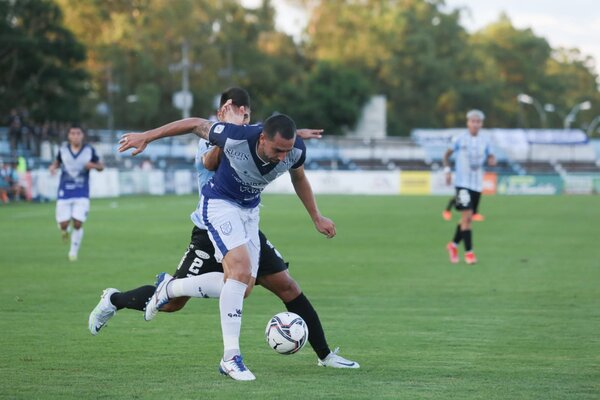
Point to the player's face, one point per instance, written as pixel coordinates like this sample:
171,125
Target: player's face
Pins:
474,124
276,149
75,136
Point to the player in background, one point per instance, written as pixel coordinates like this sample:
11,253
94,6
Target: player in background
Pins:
199,262
447,213
75,159
471,151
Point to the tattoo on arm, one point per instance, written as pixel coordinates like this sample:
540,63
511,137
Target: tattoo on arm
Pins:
202,129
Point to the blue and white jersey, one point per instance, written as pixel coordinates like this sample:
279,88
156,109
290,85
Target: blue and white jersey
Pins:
74,177
470,154
242,175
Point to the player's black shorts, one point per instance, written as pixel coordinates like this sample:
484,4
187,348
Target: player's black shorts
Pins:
199,257
467,199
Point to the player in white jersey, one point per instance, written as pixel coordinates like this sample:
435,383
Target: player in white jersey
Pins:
75,159
253,156
471,152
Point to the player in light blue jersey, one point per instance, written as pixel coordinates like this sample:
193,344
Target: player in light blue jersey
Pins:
471,152
75,159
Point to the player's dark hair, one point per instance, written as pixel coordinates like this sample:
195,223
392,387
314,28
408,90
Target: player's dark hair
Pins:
76,126
281,124
238,96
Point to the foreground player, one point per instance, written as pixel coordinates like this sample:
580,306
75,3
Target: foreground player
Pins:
253,156
471,153
199,262
75,159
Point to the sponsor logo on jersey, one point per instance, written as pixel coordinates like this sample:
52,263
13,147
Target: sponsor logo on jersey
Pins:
202,254
237,155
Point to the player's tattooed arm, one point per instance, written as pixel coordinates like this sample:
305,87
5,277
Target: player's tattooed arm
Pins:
139,141
202,128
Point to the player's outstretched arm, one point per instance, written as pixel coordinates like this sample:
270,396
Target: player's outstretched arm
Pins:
139,141
305,193
309,133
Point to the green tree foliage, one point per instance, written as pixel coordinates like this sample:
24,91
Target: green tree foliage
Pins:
40,60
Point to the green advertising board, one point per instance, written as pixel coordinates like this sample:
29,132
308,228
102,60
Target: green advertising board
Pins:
530,184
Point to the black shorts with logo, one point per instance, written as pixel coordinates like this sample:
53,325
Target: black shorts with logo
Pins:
467,199
199,257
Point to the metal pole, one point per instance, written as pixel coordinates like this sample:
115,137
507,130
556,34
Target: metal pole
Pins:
185,77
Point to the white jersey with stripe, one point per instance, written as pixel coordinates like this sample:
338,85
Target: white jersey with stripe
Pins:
204,174
470,154
74,177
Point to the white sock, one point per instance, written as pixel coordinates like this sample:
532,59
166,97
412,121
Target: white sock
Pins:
76,238
205,285
231,304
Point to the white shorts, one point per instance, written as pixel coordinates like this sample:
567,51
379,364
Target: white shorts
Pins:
230,226
67,209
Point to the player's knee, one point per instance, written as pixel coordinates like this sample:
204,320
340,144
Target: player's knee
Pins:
77,224
287,290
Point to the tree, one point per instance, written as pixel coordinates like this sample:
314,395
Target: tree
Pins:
41,61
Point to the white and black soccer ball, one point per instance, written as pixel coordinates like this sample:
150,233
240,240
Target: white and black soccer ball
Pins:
286,333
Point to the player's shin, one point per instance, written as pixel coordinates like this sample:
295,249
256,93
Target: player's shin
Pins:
231,303
202,286
302,306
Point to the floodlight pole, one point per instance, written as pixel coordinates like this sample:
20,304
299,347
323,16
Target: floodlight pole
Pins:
586,105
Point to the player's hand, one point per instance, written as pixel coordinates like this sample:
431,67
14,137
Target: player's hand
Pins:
448,178
310,133
135,141
53,169
325,226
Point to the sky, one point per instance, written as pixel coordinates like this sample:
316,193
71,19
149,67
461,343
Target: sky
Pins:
564,23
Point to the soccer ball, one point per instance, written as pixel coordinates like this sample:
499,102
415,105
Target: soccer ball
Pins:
286,333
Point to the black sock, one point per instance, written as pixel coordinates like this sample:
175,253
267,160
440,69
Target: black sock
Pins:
451,204
135,299
457,235
468,240
316,337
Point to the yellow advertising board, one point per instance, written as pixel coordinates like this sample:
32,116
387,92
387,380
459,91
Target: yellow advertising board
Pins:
415,182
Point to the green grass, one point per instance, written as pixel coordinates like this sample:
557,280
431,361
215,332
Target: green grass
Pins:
522,324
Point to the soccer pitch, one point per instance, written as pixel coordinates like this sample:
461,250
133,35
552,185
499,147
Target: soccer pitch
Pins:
524,323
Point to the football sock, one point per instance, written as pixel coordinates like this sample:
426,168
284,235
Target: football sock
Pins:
468,240
301,306
205,285
231,303
76,238
135,299
451,204
457,235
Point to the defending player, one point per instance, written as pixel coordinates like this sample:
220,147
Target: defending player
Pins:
199,263
76,159
471,152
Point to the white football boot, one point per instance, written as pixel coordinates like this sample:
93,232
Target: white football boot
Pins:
334,361
159,298
103,311
236,369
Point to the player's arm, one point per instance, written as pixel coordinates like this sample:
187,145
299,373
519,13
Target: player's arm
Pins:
305,193
55,164
446,162
97,165
211,158
139,141
309,133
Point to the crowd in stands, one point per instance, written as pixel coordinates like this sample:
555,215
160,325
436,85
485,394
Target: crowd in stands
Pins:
26,136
